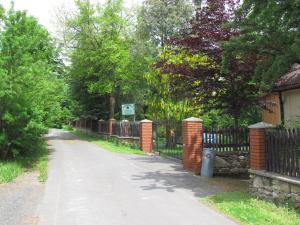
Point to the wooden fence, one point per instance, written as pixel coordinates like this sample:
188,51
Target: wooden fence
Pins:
283,151
227,139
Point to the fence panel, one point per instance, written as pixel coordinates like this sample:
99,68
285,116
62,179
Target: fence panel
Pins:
227,139
167,139
126,129
95,126
134,129
283,151
116,128
104,128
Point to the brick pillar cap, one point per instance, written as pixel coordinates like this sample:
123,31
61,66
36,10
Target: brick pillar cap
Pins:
261,125
193,119
101,120
112,119
146,121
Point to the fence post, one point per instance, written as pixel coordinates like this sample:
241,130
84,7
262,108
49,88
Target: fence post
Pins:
258,159
146,136
192,144
100,123
110,126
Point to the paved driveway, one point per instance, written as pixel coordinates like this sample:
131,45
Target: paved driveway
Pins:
91,186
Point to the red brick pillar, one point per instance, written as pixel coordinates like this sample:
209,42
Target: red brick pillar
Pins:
100,124
192,144
146,136
110,126
258,160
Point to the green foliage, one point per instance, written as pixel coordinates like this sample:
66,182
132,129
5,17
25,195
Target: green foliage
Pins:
100,52
270,30
158,20
250,210
162,104
30,83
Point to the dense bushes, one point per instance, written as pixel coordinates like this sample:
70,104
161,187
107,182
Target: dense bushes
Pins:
31,83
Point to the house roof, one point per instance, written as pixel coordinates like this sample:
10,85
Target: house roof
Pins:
289,81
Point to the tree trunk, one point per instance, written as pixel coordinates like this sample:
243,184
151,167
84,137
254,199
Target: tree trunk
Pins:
112,103
236,121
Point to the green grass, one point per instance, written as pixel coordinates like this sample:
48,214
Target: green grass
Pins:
9,170
67,128
252,211
108,145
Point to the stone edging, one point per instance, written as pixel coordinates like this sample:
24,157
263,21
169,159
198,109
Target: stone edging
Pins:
292,180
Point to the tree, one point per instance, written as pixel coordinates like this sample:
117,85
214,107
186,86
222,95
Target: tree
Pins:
158,20
100,51
270,30
213,80
29,83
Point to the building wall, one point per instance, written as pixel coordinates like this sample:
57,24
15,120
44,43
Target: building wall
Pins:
272,115
291,100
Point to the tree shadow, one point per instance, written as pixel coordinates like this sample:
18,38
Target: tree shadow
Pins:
169,175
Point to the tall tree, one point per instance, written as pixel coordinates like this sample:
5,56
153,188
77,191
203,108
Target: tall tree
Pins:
271,30
100,52
29,83
226,85
158,20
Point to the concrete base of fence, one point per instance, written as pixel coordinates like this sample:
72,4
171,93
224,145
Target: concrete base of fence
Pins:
275,187
231,163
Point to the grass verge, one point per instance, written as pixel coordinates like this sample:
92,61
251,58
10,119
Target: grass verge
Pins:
9,170
252,211
111,146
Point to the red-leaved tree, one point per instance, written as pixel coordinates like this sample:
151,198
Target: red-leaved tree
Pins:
221,79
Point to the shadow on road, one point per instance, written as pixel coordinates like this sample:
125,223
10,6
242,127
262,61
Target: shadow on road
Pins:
168,175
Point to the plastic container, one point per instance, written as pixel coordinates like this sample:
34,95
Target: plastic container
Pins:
208,159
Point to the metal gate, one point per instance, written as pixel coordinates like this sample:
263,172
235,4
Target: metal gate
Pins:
167,139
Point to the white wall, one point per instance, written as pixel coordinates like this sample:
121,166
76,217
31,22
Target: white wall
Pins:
291,100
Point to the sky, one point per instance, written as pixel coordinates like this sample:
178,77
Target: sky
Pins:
44,10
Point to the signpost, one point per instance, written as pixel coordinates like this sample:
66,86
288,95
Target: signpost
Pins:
128,110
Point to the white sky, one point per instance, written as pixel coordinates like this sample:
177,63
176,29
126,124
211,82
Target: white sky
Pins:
44,10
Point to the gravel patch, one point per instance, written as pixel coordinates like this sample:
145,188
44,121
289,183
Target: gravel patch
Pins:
19,200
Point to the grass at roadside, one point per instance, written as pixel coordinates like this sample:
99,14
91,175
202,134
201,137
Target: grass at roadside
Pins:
9,170
67,128
252,211
107,144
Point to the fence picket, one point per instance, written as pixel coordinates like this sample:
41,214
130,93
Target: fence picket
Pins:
226,139
283,151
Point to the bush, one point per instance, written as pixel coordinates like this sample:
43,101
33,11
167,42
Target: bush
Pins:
30,84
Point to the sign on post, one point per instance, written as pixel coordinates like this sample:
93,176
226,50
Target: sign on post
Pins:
128,110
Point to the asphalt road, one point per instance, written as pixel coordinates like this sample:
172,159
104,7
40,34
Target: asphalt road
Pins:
91,186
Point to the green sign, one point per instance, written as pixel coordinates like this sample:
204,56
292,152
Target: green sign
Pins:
128,110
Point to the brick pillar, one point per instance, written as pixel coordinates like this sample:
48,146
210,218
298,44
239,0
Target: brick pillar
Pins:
146,136
100,122
192,144
110,126
258,160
